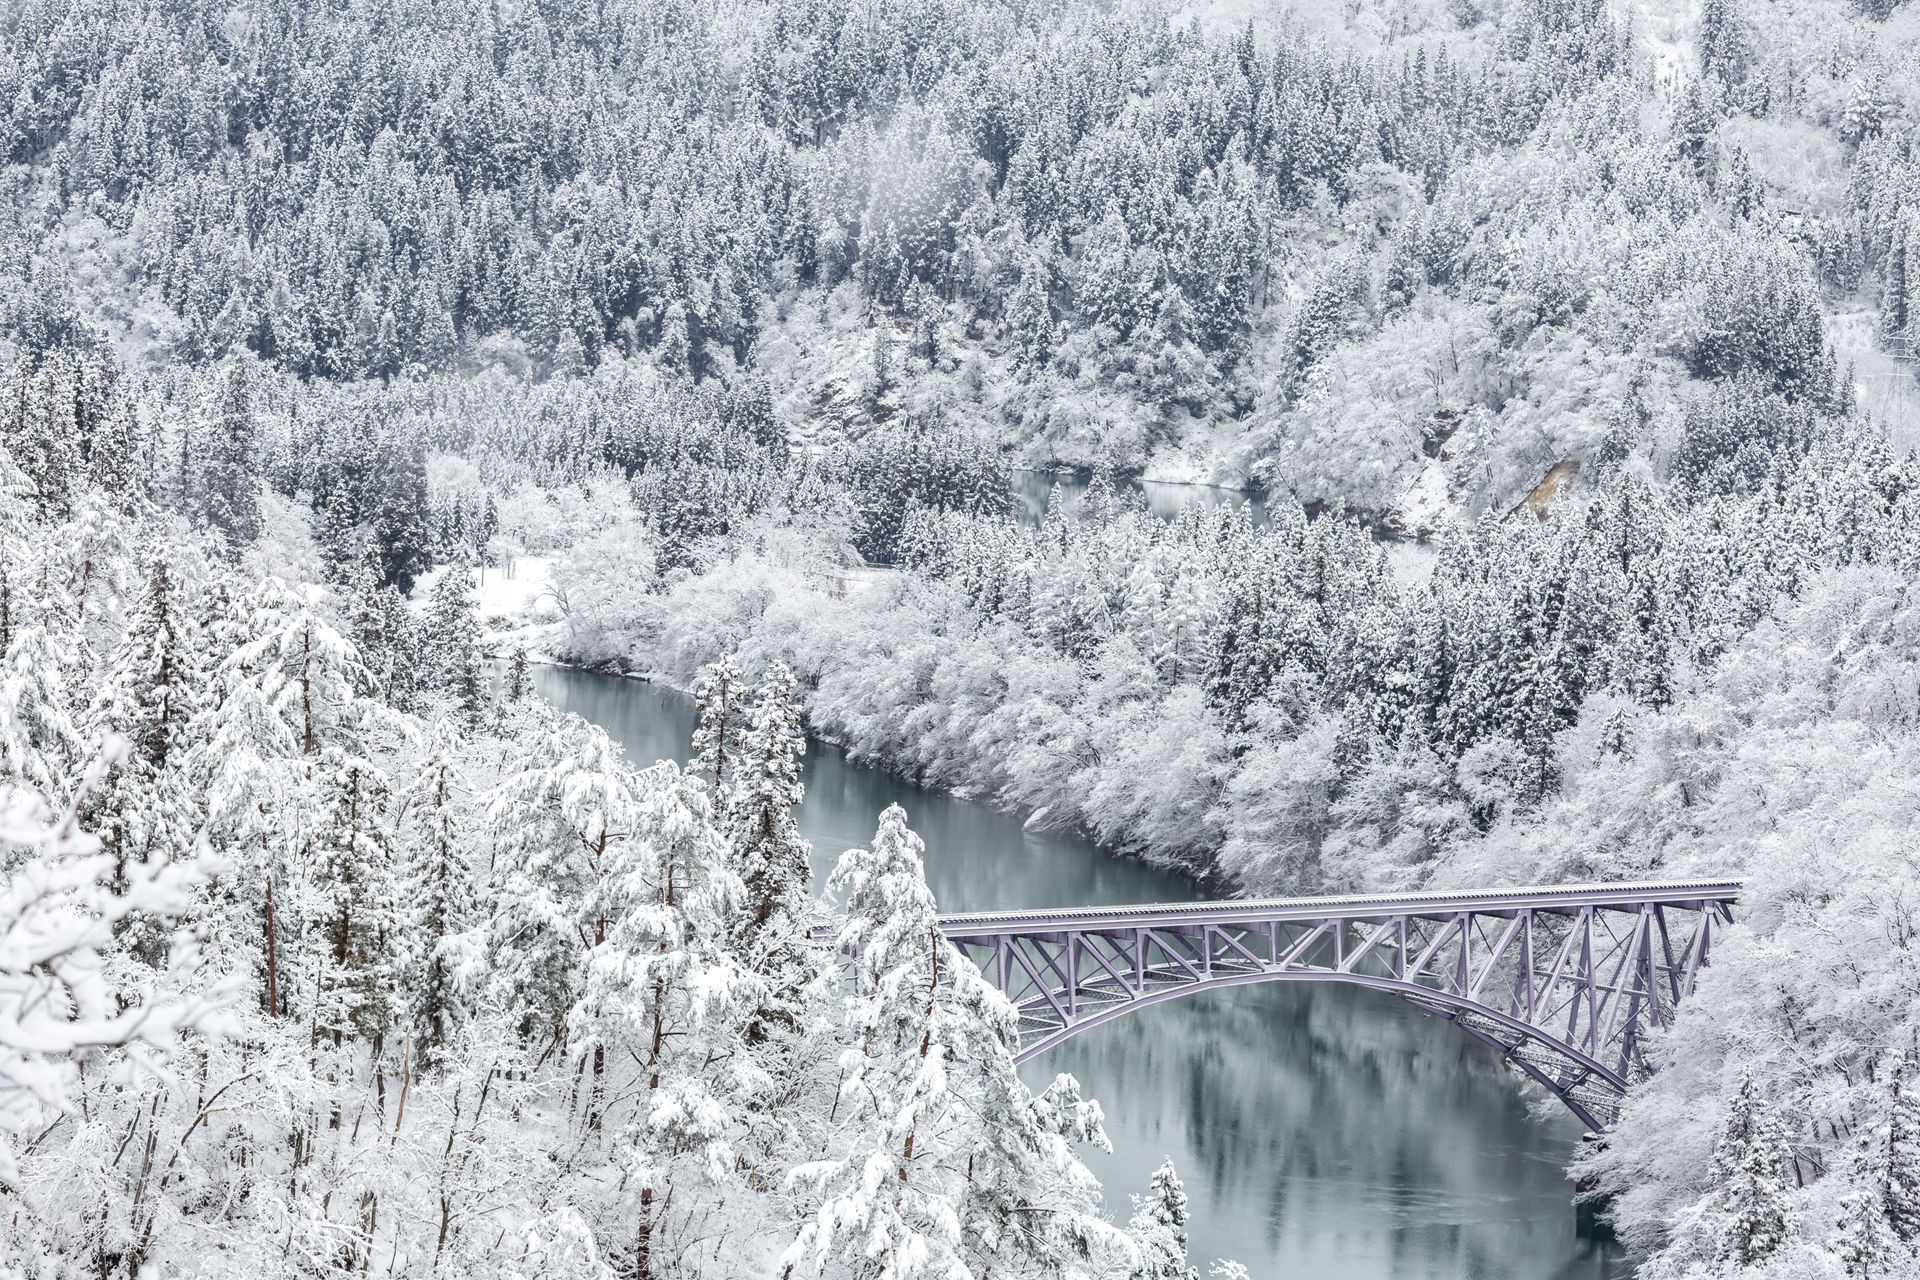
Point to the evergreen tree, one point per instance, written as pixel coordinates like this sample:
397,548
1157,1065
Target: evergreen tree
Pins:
1903,1149
452,643
559,824
720,702
770,855
355,910
665,992
40,745
519,678
148,699
880,372
148,695
1159,1228
942,1163
388,635
440,902
1864,1240
1029,319
1749,1176
400,526
229,482
40,428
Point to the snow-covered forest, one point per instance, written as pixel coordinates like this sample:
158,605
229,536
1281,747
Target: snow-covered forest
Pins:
354,355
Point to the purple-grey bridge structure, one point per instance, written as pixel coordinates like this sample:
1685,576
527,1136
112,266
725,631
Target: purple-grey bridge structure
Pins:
1565,982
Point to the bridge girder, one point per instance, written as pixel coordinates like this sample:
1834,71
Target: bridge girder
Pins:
1566,983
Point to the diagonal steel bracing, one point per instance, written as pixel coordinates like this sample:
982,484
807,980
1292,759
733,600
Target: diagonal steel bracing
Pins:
1566,983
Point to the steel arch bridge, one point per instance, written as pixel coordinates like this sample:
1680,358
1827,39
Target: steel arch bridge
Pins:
1564,982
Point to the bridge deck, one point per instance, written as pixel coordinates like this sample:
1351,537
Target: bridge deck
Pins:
1350,906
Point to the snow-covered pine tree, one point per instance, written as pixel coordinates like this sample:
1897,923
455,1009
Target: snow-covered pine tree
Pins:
941,1163
1750,1179
228,483
353,913
662,1005
1159,1228
400,536
439,901
519,679
40,745
770,854
1903,1148
149,694
452,643
557,824
720,702
1029,314
341,545
310,676
1864,1240
386,632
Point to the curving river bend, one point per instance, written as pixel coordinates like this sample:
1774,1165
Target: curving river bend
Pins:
1323,1133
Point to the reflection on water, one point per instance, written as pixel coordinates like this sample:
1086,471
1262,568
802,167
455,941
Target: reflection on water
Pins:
1327,1131
1323,1131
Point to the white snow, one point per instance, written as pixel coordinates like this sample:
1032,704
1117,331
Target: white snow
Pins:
513,592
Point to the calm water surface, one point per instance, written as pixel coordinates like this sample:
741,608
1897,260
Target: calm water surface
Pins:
1033,492
1323,1134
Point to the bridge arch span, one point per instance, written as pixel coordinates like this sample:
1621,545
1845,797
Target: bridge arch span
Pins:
1565,983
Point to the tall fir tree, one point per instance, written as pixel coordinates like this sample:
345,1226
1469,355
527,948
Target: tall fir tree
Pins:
658,1021
441,905
519,678
770,854
1750,1180
720,702
1159,1228
229,481
941,1162
355,912
452,643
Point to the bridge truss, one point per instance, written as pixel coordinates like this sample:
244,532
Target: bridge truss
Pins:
1566,983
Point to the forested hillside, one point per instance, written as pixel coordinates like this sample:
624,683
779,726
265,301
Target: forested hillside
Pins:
1503,238
709,337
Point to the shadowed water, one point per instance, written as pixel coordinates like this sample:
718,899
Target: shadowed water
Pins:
1323,1133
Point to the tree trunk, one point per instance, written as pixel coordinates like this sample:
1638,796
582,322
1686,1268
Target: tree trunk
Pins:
273,955
306,691
926,1041
643,1247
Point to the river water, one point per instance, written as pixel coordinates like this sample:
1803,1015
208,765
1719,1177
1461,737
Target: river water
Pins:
1033,493
1323,1133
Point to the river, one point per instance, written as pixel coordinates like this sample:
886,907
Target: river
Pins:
1033,493
1323,1133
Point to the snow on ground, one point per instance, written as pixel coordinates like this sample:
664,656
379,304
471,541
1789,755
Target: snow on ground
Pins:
518,610
518,589
1667,27
1427,503
515,591
859,578
1204,454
